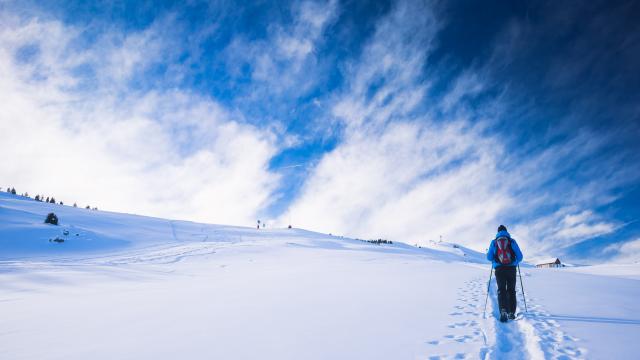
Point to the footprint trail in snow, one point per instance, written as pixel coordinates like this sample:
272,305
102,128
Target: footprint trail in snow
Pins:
470,336
531,337
465,337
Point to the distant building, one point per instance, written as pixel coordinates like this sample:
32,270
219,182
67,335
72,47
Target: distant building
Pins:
550,263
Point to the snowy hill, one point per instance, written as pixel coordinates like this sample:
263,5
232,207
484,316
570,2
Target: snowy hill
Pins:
134,287
24,234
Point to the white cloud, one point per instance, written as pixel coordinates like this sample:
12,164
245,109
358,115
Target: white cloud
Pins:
286,60
397,184
167,153
392,61
581,225
467,84
549,234
625,252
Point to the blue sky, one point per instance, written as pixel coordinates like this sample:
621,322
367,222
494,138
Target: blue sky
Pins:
404,120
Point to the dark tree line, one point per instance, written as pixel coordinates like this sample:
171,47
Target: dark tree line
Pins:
379,241
41,198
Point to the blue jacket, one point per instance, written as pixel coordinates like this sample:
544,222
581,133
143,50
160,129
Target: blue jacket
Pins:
514,245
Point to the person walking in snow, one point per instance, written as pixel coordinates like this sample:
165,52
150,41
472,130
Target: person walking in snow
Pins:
505,255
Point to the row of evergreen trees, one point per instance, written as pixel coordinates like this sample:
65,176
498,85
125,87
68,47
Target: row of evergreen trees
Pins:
41,198
51,200
379,241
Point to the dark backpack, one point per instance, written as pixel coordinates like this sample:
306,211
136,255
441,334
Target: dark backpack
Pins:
504,253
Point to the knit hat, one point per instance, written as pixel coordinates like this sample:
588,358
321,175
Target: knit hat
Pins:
502,228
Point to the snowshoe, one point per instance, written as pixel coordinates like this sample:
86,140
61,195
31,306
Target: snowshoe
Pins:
511,316
503,316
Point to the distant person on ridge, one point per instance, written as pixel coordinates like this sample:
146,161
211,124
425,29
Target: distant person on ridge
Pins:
505,255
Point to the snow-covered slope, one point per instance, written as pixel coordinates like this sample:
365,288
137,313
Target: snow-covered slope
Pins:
132,287
23,233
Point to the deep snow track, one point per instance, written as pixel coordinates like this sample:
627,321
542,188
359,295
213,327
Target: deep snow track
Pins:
531,337
470,336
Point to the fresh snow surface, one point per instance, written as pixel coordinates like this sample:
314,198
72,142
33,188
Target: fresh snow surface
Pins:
132,287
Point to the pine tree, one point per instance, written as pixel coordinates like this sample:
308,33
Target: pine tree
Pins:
37,198
47,199
51,219
13,191
75,205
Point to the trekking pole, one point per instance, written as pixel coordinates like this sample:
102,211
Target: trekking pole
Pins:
484,314
522,287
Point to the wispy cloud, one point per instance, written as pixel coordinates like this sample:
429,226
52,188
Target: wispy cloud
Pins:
400,173
286,61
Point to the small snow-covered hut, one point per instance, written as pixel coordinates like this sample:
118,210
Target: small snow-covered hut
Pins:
549,263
